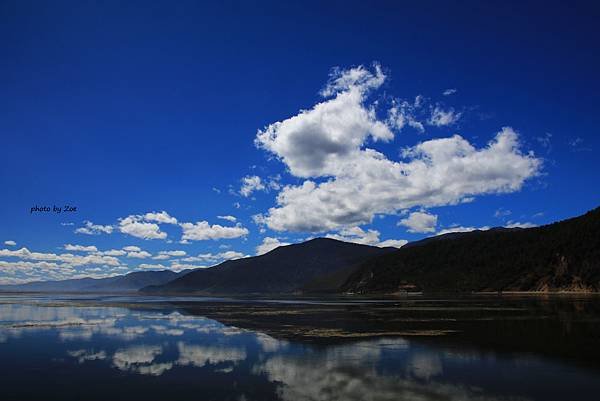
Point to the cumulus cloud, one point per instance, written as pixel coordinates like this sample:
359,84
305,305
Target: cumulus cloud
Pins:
90,228
232,219
10,243
135,226
314,142
438,172
160,217
268,244
250,184
139,255
202,230
420,222
81,248
356,182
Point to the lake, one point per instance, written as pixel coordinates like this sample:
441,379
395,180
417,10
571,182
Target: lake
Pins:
115,347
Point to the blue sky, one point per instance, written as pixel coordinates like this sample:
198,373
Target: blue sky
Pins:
377,123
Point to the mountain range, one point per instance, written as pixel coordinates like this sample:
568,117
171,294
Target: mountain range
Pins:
286,269
563,256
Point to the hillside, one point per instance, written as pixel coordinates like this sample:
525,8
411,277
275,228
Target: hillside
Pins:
283,270
560,256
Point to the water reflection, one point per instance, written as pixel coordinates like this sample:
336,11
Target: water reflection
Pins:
196,354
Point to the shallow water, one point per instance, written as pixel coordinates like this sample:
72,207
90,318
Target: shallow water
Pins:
150,348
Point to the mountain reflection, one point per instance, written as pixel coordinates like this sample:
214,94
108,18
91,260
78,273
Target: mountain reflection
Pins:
193,350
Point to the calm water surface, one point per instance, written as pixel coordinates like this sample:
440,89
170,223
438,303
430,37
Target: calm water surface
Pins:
120,348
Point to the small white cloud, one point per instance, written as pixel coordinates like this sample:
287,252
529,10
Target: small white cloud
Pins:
396,243
450,91
214,258
250,184
517,224
135,226
81,248
161,257
202,230
461,229
168,254
369,237
268,244
113,252
90,228
232,219
441,118
139,255
231,255
132,248
10,243
160,217
420,222
356,235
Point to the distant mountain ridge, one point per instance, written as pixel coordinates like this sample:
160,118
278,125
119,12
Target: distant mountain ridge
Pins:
286,269
130,282
563,256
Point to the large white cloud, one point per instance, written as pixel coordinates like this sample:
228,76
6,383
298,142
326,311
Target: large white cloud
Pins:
316,141
329,141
